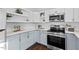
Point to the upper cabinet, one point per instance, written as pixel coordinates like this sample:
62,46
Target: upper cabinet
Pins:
13,42
76,14
59,10
2,18
69,15
18,14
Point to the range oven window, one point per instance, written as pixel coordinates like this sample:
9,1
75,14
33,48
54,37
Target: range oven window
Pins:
56,41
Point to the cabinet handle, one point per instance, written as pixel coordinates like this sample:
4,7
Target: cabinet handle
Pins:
20,38
28,35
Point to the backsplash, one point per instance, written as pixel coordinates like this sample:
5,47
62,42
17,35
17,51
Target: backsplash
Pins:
10,26
48,25
73,25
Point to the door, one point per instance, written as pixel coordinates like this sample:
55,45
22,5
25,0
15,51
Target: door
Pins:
31,38
59,10
43,37
13,42
76,14
37,36
69,15
24,41
2,18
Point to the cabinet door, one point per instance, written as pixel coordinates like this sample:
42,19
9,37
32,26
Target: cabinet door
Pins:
43,37
71,42
69,15
76,14
13,42
24,41
59,10
37,36
2,18
31,38
27,40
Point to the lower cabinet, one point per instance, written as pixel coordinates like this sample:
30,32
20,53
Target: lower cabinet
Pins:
31,38
21,41
77,43
36,36
13,42
71,42
27,40
43,37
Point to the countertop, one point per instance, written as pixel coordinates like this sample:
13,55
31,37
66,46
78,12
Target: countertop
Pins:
22,31
75,33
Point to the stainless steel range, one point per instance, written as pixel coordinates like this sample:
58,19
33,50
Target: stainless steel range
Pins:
56,38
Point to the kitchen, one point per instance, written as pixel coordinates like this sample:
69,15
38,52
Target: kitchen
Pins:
52,28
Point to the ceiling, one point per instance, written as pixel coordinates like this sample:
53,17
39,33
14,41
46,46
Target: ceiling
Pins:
37,9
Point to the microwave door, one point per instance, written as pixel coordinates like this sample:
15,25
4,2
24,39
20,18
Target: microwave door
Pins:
54,18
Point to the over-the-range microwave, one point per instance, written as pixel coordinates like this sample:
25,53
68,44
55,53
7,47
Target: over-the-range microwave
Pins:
56,18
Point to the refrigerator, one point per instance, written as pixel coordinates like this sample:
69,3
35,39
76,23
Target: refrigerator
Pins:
2,29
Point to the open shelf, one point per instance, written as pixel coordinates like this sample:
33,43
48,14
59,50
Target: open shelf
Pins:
9,21
17,14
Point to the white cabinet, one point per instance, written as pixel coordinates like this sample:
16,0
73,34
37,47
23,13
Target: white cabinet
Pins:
43,37
37,36
77,43
31,38
76,14
27,40
13,42
59,11
2,18
23,41
69,16
71,42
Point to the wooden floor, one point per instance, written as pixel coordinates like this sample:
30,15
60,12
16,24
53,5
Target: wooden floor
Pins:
38,46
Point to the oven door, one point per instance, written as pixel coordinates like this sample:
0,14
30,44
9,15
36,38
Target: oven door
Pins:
56,41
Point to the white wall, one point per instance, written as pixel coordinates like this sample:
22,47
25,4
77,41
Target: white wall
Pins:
75,25
23,25
48,25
